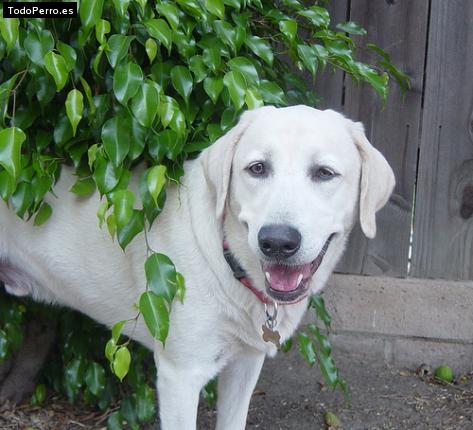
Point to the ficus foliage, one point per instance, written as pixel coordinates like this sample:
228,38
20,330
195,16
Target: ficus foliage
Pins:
153,82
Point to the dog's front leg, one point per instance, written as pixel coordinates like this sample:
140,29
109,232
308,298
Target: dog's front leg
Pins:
178,395
235,386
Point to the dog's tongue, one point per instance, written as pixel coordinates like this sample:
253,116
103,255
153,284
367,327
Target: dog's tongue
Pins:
285,278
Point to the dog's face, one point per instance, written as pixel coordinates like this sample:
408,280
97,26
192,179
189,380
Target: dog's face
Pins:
293,187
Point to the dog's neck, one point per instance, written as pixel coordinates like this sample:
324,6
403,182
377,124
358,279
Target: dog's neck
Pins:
240,274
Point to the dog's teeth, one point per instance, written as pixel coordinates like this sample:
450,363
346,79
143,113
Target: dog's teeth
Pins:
268,276
299,279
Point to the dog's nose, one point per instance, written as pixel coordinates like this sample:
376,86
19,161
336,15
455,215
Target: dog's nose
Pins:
279,240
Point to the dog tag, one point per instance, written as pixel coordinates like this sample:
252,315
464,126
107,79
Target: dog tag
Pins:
270,335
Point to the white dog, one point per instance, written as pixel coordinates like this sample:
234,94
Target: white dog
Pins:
284,187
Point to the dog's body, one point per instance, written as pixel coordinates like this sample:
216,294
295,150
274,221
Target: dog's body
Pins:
267,171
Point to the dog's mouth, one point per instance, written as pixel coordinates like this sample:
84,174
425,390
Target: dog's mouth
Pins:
290,283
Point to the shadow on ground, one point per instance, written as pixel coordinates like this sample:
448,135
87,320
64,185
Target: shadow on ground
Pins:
290,396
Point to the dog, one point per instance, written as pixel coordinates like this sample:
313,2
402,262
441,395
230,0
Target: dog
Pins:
258,224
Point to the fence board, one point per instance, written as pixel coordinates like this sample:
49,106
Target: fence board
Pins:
443,230
329,84
401,29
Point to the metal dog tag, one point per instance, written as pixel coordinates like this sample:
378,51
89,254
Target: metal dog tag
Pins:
272,336
269,333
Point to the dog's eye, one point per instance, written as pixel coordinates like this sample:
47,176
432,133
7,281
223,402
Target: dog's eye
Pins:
257,169
323,174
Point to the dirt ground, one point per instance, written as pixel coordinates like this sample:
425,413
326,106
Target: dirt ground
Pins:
290,396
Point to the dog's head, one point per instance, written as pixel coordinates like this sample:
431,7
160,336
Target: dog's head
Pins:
289,183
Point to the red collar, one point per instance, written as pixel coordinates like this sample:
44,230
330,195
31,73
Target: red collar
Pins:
240,274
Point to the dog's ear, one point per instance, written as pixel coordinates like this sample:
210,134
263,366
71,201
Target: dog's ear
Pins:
217,159
377,179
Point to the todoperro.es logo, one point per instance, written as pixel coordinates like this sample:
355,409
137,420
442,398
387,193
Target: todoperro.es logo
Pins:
40,10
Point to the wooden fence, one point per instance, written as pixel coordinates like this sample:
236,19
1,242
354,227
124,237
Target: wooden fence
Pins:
426,230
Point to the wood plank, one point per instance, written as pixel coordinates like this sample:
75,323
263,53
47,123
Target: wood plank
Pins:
329,84
443,231
401,29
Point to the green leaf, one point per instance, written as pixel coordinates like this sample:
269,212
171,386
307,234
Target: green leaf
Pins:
306,348
121,362
11,141
228,118
288,27
151,49
111,225
215,7
37,45
138,137
213,87
144,104
102,210
118,46
92,156
167,109
161,276
323,345
178,123
156,315
246,68
39,395
236,85
127,79
145,403
114,421
287,345
212,59
110,350
226,33
317,15
117,330
121,6
123,201
95,378
9,31
56,66
151,209
261,48
321,53
253,98
351,27
156,180
7,185
236,4
317,303
308,57
106,174
170,143
101,29
69,54
74,108
3,345
135,226
197,66
159,29
272,93
43,214
83,187
90,11
116,138
96,61
180,287
5,92
170,11
182,81
88,94
74,372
